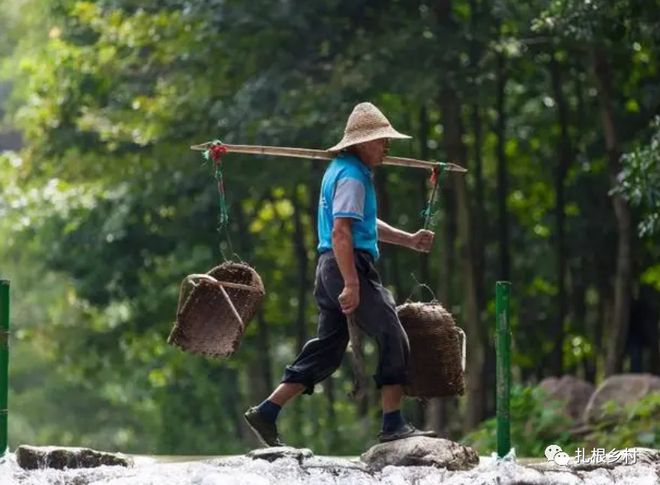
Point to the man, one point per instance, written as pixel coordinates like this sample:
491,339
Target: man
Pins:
347,282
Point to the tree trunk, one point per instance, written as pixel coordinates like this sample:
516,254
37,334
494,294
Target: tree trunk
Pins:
424,258
477,14
456,152
578,310
235,404
618,325
390,258
264,352
431,413
300,256
437,410
316,175
329,391
565,156
261,366
604,315
654,348
479,208
453,141
448,238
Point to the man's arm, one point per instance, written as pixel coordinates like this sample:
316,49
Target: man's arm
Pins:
392,235
342,247
422,240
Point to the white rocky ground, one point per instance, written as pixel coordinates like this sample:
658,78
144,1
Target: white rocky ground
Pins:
297,467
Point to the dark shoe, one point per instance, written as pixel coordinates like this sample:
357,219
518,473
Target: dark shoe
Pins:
265,431
405,431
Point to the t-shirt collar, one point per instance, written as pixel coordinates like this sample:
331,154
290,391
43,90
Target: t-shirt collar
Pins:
353,158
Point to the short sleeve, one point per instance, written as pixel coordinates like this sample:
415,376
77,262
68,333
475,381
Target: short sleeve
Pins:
348,199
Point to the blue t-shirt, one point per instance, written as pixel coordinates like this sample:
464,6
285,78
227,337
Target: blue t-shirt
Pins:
347,190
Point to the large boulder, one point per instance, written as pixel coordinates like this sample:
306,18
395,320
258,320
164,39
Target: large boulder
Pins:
33,457
421,451
573,391
622,389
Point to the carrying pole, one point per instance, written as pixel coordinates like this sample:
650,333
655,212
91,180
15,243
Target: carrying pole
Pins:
4,364
503,368
315,154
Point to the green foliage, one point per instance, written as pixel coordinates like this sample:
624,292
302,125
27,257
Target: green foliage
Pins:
581,20
536,422
639,182
636,424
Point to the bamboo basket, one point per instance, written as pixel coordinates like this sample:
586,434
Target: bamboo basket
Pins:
215,308
437,350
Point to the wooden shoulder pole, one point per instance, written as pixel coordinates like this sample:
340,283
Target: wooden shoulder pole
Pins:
314,154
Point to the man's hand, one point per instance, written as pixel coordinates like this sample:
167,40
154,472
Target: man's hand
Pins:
349,299
422,240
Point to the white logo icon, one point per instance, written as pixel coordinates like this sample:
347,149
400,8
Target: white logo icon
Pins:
555,453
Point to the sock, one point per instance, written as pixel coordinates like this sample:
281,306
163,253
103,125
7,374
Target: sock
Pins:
392,421
269,410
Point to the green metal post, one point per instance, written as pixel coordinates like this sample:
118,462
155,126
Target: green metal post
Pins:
4,363
503,355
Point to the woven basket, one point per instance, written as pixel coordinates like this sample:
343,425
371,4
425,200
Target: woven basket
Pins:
437,350
215,308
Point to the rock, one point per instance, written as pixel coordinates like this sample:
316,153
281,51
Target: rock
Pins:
611,460
647,456
574,392
335,464
622,389
342,470
33,457
421,451
277,452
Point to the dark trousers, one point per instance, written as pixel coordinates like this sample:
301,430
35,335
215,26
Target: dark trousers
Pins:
375,315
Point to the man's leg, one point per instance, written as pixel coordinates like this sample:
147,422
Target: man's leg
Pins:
285,392
394,424
391,397
271,407
377,317
318,359
262,418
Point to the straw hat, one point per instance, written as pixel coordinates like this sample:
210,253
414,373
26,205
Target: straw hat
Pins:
366,123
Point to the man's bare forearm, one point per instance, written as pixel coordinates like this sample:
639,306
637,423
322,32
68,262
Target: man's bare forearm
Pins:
392,235
342,246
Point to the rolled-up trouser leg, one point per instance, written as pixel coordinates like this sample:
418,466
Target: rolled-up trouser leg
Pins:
322,355
379,320
376,316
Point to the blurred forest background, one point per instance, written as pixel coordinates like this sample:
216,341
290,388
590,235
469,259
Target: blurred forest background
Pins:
104,209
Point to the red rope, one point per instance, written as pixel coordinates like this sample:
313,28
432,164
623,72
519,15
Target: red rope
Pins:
216,151
435,173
